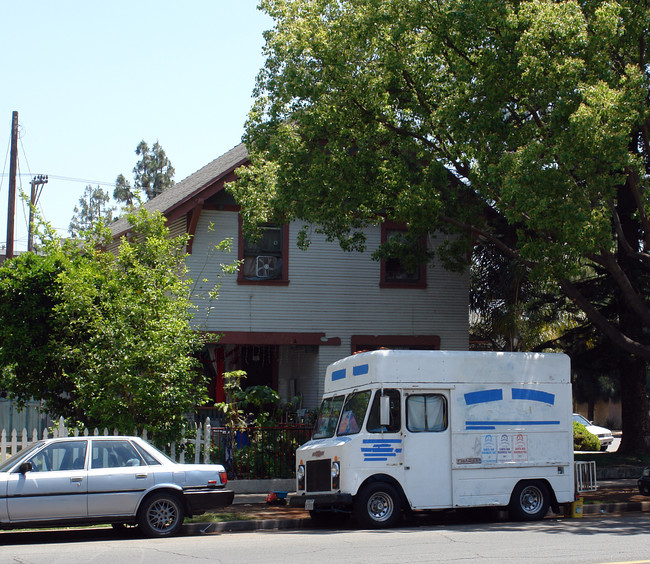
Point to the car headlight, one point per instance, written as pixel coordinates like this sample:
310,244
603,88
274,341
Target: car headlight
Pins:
646,472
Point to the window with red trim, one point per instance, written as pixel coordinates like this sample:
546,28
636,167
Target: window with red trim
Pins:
394,274
265,260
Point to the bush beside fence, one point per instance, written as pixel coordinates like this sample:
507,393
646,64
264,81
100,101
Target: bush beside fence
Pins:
259,452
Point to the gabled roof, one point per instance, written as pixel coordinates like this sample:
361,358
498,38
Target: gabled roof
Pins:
193,190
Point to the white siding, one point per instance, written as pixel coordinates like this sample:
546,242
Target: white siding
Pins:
330,291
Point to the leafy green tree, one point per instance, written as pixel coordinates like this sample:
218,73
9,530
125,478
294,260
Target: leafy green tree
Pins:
105,340
153,174
93,207
462,115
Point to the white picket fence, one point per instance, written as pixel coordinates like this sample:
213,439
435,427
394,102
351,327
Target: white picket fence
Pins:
12,442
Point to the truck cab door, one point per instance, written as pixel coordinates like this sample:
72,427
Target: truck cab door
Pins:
427,449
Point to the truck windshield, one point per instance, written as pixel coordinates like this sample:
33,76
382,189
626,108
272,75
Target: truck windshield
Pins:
328,417
354,412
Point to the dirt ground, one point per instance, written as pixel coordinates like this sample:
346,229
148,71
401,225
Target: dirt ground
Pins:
615,494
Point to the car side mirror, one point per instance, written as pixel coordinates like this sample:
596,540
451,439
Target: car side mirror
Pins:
25,467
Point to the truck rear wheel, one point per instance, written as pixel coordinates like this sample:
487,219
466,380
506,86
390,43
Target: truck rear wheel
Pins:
378,506
529,501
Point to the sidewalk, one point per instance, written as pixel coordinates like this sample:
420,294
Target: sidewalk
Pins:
612,496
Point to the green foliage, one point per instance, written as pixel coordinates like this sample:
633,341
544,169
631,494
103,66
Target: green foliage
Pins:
152,174
93,207
103,339
521,124
261,404
454,116
232,413
583,439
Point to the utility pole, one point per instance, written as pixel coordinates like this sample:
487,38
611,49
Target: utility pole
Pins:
12,185
39,180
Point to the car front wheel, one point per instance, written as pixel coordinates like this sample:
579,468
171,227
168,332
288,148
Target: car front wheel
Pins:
161,515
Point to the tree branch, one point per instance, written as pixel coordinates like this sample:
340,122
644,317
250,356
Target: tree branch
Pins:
631,296
599,320
480,233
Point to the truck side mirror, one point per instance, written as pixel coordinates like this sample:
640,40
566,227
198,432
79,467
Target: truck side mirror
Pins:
384,411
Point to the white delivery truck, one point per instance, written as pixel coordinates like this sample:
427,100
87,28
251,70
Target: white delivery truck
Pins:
402,430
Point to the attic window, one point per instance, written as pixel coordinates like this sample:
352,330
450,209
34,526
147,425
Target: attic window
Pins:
264,260
394,274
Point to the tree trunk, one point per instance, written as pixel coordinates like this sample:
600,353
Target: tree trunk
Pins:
632,369
634,406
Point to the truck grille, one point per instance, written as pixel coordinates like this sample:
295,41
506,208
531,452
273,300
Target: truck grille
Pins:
319,477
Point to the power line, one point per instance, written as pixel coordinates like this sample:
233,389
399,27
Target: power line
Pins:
69,179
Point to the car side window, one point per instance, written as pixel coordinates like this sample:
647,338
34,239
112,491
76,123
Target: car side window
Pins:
115,454
68,455
148,459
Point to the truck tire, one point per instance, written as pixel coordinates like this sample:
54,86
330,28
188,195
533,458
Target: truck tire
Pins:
161,515
378,506
529,501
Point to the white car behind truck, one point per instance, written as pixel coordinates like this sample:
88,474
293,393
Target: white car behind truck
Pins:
402,430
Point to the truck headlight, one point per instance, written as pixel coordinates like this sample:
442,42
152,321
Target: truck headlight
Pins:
336,475
300,474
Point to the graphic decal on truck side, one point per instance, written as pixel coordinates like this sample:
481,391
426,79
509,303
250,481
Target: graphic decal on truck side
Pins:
380,449
497,394
485,396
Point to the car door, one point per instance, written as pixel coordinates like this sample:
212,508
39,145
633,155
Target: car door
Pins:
55,488
117,478
427,449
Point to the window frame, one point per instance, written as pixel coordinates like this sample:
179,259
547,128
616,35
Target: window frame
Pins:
445,413
374,412
283,280
389,226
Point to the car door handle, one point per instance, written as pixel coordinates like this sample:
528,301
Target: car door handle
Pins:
141,476
77,479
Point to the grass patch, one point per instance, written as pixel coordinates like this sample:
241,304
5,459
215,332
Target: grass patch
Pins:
219,517
611,459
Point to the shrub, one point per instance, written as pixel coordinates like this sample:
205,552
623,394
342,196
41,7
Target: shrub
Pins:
583,439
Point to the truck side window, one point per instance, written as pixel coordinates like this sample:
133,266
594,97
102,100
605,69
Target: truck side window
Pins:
353,413
395,416
426,413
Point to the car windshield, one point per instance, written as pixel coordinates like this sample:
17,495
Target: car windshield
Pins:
20,454
328,417
580,419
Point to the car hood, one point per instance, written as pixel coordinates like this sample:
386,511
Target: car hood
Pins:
596,430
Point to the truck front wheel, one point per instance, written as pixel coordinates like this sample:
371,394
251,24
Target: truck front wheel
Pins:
378,506
529,501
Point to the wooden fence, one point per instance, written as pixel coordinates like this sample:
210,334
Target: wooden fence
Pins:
198,438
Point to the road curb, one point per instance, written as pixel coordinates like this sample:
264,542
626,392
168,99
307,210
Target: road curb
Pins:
626,507
247,526
307,523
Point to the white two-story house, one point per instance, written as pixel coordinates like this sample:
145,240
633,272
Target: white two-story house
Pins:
289,313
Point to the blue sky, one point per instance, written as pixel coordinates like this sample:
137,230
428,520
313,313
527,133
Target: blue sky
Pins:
90,80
